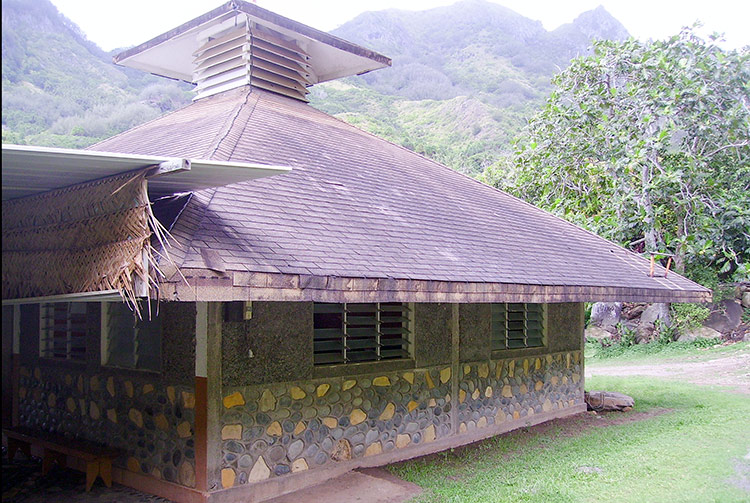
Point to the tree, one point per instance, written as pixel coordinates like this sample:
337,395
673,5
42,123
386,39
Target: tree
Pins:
647,144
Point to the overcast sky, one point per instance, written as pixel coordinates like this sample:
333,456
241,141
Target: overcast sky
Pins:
113,23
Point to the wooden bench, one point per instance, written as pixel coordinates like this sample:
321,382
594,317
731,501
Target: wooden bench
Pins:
98,458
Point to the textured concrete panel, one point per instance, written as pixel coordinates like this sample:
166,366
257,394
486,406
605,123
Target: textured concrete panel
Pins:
474,328
432,337
564,327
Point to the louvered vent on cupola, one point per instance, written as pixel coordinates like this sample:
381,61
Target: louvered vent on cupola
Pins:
251,54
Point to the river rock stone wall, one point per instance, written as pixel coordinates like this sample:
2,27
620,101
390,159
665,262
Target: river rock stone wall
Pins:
501,391
272,430
152,422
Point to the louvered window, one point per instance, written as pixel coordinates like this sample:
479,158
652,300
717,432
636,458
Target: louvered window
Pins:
516,326
130,342
352,333
62,331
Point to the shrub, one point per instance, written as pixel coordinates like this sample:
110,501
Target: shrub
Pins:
688,316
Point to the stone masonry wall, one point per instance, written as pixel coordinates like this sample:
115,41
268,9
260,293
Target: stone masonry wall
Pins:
272,430
152,422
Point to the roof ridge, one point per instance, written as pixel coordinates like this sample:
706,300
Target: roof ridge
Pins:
198,206
225,142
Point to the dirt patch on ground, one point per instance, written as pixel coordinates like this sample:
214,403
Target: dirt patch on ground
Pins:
731,370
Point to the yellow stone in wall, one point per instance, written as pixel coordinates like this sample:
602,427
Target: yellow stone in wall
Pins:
576,378
462,428
299,428
475,395
71,405
461,396
565,379
357,416
381,381
498,369
408,377
231,432
94,411
230,401
388,412
111,385
156,473
428,380
260,471
161,422
322,389
482,422
129,389
186,474
530,412
227,477
526,366
330,422
484,370
68,380
523,389
136,416
274,429
171,394
547,405
467,370
94,383
432,402
537,364
297,393
374,449
112,415
516,414
549,359
267,401
445,375
567,360
402,440
299,465
499,416
79,384
577,357
350,383
51,400
511,368
507,391
539,385
411,405
554,381
148,388
134,465
37,374
488,392
188,400
429,434
184,430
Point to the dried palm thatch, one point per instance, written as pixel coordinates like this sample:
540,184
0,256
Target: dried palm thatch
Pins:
84,238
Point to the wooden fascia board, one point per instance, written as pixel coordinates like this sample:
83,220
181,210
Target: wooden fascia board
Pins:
206,285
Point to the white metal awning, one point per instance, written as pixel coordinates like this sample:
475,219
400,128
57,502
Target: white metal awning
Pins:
28,170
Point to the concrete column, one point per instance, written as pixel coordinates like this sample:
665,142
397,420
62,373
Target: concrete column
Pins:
455,367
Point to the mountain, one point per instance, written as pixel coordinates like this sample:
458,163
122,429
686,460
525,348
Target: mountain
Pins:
463,80
60,89
464,77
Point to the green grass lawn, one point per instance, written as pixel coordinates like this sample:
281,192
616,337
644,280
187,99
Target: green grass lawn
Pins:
645,353
682,442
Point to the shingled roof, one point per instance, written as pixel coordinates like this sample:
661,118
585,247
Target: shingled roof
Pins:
362,219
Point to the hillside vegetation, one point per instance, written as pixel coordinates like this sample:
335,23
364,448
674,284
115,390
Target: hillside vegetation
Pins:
464,78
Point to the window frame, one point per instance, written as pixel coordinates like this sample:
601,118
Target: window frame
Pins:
407,325
105,337
493,328
47,343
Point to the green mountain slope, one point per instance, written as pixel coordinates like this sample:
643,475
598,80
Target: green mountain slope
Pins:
463,79
60,89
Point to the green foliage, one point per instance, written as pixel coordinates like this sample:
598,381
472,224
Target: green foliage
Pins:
688,316
647,144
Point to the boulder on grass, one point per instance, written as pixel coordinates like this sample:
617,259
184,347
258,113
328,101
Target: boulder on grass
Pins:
725,317
605,314
595,333
602,401
699,333
646,331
